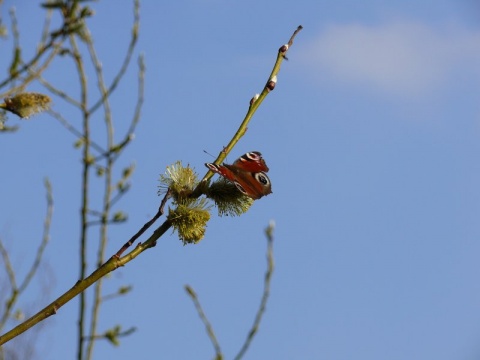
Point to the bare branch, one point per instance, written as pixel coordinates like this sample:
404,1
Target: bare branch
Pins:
203,317
144,227
127,59
266,293
45,238
16,291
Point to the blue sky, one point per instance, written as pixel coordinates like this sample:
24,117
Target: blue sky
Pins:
372,139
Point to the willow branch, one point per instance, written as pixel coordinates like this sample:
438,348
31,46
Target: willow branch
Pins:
266,293
45,238
8,266
34,73
61,94
111,265
260,311
111,335
107,193
86,164
146,226
67,125
203,317
126,61
254,104
46,28
31,63
140,95
18,290
13,285
129,136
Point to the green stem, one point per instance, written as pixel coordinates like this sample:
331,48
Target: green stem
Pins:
111,265
251,111
106,198
85,187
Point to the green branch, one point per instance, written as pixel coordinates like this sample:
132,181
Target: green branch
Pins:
111,265
254,104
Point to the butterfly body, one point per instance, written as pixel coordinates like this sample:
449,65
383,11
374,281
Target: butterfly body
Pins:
248,173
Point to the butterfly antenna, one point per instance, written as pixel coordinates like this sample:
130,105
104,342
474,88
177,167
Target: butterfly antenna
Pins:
206,152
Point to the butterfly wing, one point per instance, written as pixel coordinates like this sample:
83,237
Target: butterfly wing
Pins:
222,170
252,162
248,173
253,184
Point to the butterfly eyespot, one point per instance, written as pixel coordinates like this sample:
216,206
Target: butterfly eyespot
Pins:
262,178
240,188
248,173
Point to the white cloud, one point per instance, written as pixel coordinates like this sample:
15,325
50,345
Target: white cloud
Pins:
402,57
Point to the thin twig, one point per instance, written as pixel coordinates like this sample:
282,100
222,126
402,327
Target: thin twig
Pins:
17,52
107,191
119,195
140,95
64,122
10,302
8,266
126,61
130,134
108,336
18,290
26,66
45,238
121,291
35,72
46,28
78,60
266,293
290,42
13,285
203,317
146,226
61,94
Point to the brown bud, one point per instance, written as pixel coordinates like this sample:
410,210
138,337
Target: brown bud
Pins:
253,99
283,49
271,83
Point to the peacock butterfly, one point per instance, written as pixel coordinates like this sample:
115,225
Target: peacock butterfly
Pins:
248,173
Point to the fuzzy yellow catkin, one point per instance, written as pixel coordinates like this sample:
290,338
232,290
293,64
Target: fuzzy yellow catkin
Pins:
25,105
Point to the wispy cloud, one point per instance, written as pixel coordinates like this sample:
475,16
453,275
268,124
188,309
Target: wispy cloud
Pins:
401,57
